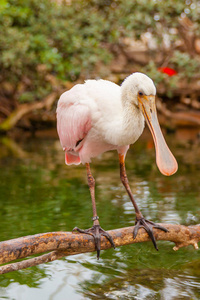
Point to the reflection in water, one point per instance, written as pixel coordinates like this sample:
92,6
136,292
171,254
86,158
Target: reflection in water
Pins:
148,284
39,194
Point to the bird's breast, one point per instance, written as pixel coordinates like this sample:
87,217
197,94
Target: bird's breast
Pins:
122,130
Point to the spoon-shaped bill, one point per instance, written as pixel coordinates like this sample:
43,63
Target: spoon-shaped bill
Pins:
165,160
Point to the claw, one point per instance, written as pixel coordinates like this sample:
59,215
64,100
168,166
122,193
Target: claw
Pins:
161,228
81,230
96,231
75,229
150,233
109,238
135,232
148,226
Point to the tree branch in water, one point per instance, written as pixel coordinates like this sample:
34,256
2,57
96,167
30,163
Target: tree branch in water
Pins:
61,244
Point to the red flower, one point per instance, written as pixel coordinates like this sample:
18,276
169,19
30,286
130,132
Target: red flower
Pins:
168,71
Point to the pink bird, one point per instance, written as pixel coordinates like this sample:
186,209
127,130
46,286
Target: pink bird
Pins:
99,116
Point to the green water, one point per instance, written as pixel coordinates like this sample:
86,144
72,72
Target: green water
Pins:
38,193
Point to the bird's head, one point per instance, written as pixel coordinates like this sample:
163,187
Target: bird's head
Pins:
139,91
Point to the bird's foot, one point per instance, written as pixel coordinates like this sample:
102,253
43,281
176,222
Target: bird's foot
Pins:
96,231
148,226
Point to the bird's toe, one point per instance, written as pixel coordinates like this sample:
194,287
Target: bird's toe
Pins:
96,231
148,226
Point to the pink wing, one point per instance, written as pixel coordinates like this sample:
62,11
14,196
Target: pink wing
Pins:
73,124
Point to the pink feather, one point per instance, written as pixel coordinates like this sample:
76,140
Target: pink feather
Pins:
73,124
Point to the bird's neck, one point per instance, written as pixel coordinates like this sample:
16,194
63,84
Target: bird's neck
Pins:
127,125
132,123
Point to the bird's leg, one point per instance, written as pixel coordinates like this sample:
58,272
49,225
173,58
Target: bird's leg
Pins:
140,220
96,231
91,184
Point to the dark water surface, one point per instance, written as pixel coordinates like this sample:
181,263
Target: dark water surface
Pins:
38,193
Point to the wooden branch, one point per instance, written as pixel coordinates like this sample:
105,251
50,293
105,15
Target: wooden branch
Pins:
179,118
66,243
187,32
26,108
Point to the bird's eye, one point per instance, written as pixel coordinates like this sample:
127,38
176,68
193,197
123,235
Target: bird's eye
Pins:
140,93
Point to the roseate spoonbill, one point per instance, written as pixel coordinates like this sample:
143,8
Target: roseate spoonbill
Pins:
98,116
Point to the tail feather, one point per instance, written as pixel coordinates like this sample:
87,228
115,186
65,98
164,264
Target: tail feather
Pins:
71,159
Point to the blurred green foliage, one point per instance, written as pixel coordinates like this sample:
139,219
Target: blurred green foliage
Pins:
65,39
40,37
